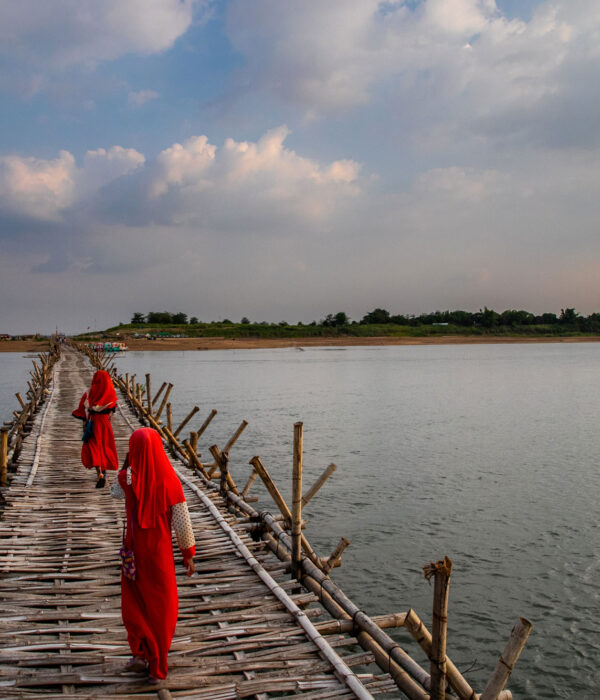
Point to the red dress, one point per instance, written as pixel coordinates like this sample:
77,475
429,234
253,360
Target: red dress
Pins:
100,450
150,604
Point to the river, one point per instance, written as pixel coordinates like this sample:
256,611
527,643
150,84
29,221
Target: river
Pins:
485,453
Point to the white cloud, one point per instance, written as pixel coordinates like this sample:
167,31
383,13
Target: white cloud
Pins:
459,64
63,33
36,188
141,97
241,186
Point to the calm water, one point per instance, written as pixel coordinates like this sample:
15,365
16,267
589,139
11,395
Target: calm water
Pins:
14,373
487,454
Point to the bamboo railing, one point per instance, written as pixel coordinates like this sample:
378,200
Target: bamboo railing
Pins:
14,431
284,537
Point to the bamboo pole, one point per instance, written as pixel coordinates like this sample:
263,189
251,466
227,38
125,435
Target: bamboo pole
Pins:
318,483
335,558
206,423
281,504
233,439
127,388
423,637
194,441
163,403
158,393
222,459
296,528
148,394
3,456
510,655
441,572
20,399
169,418
346,626
194,459
186,420
247,487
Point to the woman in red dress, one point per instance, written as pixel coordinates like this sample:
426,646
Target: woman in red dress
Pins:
154,503
100,450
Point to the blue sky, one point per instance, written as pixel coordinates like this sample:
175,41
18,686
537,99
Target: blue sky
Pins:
288,160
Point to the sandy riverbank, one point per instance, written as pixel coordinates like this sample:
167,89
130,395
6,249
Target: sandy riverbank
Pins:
257,343
31,346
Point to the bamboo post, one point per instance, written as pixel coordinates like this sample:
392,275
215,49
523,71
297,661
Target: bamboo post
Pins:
127,387
233,439
507,661
3,456
169,418
148,394
318,483
247,487
222,459
158,393
186,420
20,399
296,530
133,385
281,504
335,558
163,403
423,637
441,572
194,459
206,423
194,441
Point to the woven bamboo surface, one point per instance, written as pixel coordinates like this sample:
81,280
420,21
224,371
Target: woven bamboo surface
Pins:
61,632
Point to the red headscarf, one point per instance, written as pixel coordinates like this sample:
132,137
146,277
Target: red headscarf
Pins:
153,480
80,411
102,391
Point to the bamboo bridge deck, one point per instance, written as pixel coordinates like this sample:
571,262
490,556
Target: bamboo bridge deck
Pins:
61,632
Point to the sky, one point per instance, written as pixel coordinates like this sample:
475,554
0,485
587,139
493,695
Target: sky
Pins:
287,160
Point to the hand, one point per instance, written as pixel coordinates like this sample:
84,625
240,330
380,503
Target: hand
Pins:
189,565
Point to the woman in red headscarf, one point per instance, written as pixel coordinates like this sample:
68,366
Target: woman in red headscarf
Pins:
99,450
154,502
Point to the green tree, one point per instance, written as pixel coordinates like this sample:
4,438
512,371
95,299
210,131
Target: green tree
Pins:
179,318
138,318
245,320
194,320
377,316
160,317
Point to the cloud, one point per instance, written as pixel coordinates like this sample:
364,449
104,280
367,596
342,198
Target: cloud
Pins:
47,190
141,97
62,33
36,188
242,186
457,65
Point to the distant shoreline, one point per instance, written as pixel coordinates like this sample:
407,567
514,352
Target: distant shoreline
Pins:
179,344
167,344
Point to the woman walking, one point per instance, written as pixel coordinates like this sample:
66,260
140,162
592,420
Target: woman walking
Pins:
99,450
154,503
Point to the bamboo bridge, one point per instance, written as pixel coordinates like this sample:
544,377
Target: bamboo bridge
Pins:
261,618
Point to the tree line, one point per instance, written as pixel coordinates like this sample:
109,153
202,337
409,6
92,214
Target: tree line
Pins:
485,318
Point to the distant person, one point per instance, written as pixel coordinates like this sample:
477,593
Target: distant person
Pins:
99,450
154,503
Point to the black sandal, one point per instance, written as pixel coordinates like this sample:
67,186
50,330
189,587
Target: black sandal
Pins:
101,483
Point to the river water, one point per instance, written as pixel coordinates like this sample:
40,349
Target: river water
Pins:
485,453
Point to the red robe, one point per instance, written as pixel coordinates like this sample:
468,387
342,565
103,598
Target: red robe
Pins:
150,604
100,450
